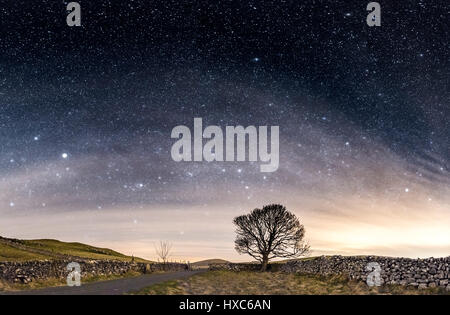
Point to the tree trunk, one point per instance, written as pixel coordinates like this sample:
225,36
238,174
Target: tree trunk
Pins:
264,263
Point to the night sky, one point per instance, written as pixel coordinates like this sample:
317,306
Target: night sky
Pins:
86,115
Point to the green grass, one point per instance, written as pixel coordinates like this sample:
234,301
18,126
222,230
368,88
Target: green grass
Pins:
78,249
166,288
24,250
274,283
9,253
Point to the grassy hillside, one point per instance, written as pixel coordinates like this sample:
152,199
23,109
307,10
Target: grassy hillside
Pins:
23,250
10,253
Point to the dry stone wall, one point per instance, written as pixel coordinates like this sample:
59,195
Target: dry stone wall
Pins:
420,273
25,272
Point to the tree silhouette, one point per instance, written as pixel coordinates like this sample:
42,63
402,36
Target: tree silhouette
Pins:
268,233
163,251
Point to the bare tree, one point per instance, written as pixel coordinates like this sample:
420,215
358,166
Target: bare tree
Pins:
163,251
268,233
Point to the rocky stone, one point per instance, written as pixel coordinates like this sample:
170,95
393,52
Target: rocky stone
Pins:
414,272
26,272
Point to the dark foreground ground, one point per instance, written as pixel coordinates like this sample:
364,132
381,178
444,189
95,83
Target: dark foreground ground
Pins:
112,287
276,283
229,282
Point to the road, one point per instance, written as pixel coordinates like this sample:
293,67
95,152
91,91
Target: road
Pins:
111,287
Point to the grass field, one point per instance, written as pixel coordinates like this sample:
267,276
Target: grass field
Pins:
273,283
25,250
10,253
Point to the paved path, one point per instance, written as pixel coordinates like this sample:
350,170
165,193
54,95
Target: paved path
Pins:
111,287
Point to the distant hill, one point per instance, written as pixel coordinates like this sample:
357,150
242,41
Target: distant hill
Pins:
205,263
23,250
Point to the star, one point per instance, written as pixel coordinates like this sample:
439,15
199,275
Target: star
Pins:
361,115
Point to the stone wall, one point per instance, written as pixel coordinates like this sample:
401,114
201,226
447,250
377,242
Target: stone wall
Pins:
238,267
421,273
25,272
